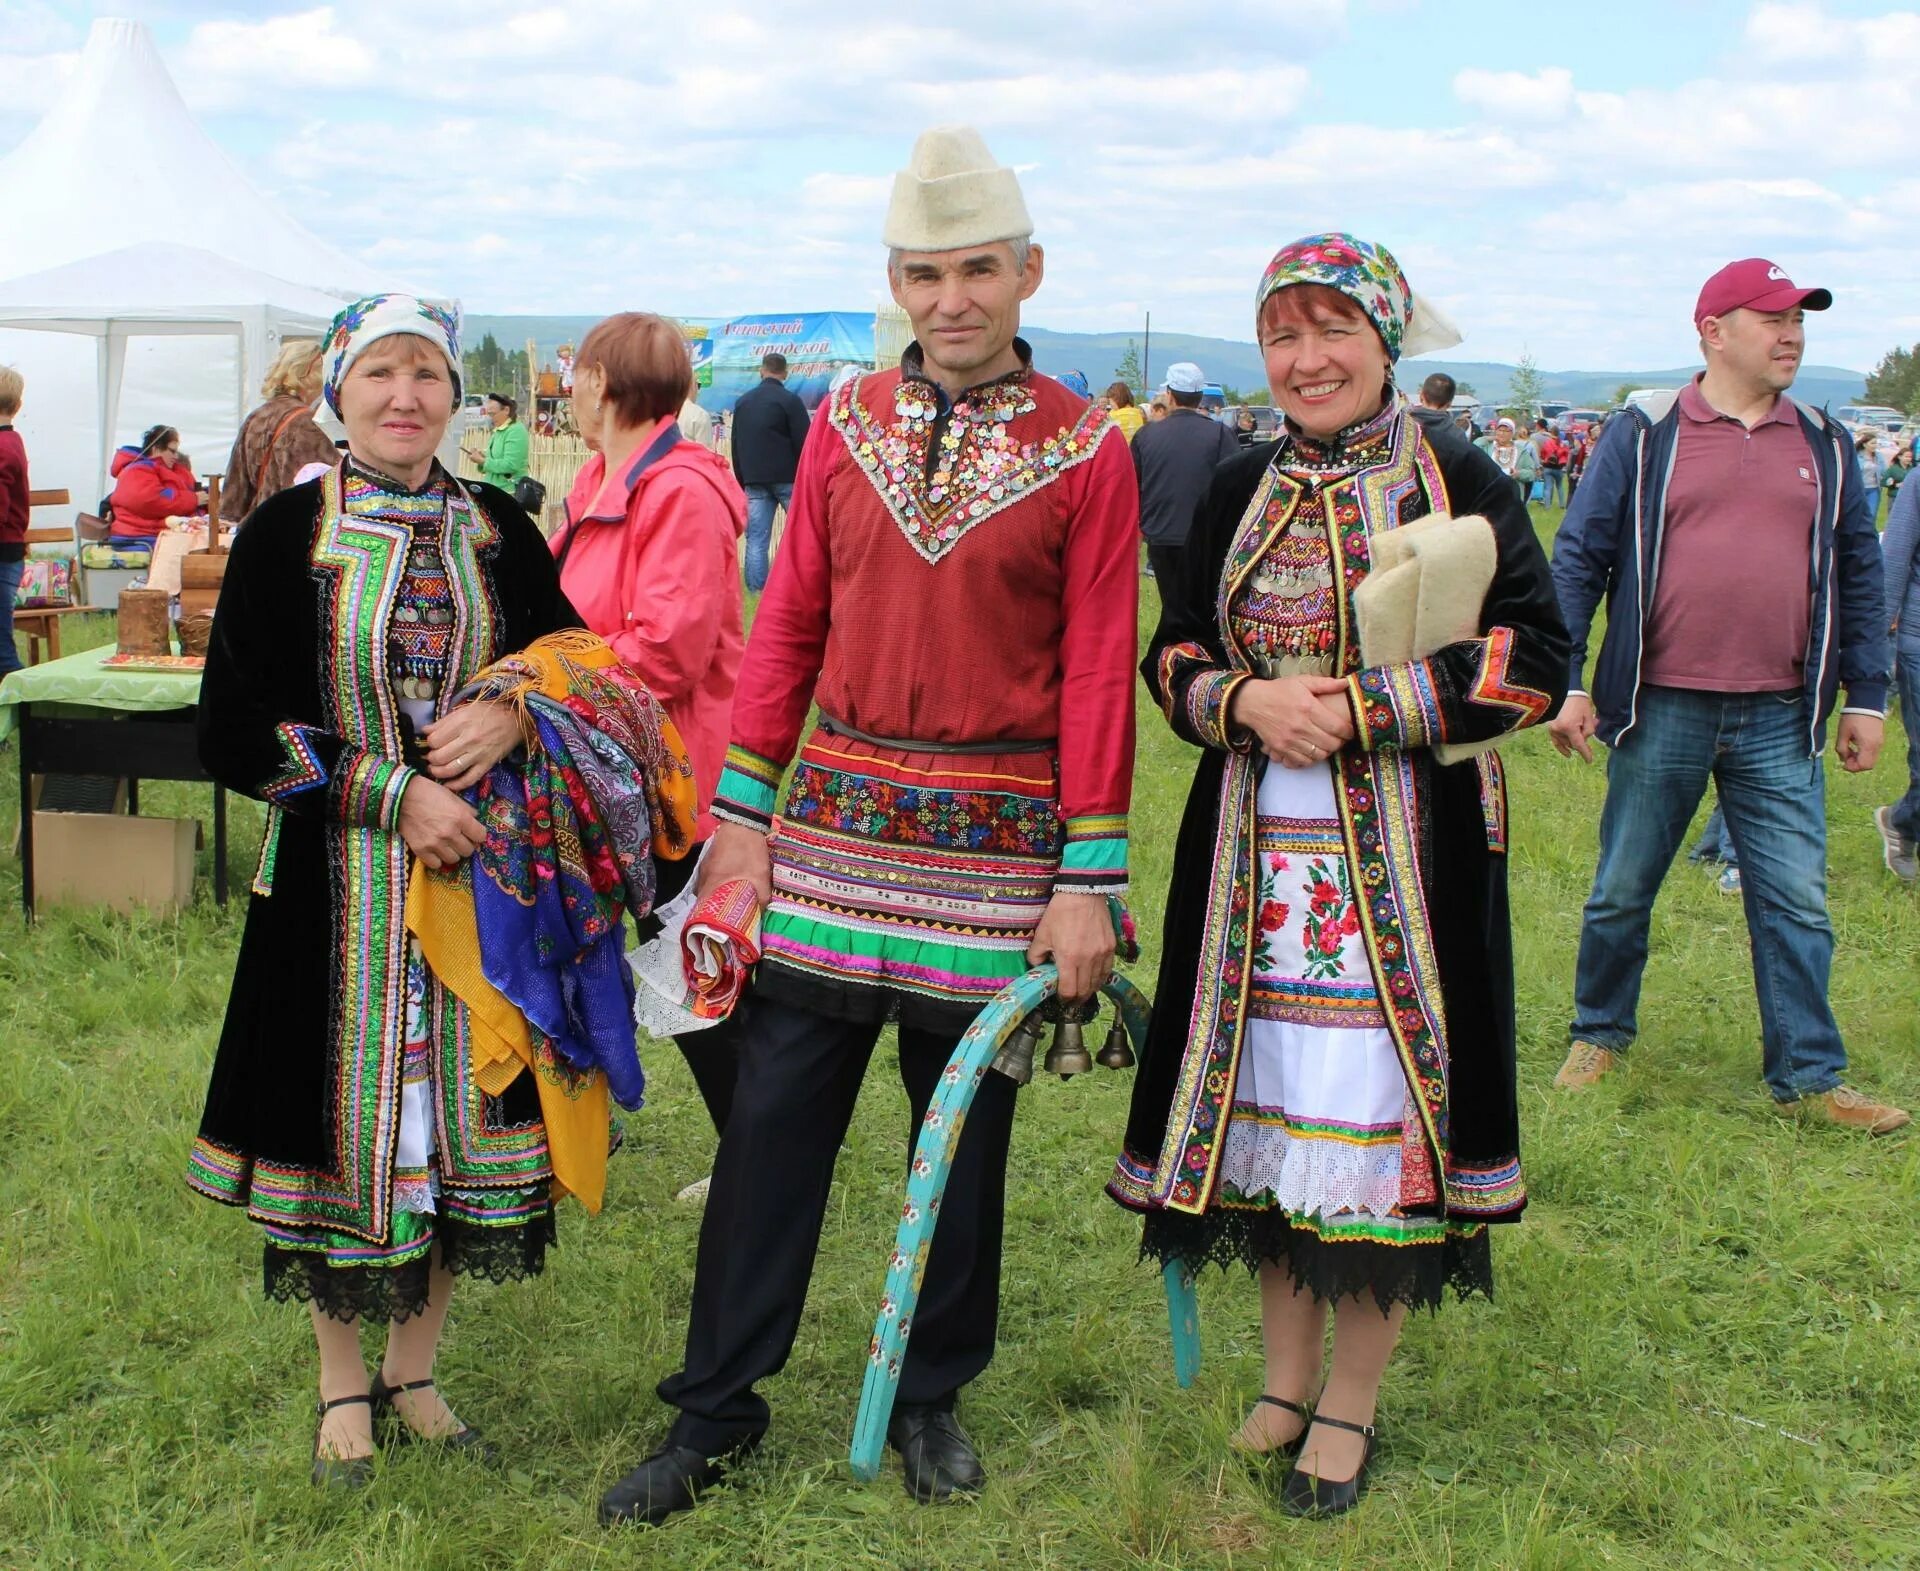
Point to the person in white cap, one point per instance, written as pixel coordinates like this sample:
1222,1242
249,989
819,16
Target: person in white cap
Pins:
957,593
1174,459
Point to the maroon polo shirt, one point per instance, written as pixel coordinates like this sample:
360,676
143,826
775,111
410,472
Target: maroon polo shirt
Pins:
1734,601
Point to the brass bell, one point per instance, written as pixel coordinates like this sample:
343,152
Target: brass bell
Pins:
1069,1056
1118,1051
1015,1058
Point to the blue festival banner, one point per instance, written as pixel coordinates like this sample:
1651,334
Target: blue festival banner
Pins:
727,350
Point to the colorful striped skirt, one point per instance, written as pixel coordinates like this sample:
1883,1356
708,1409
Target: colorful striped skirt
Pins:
908,882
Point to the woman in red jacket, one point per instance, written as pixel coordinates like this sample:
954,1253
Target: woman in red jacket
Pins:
152,483
650,560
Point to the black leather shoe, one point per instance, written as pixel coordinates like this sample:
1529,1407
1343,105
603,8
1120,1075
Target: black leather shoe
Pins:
400,1432
668,1481
339,1472
1304,1495
939,1459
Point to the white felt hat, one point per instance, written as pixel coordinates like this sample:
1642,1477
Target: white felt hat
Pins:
952,194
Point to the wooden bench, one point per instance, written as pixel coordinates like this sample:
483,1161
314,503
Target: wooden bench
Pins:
40,625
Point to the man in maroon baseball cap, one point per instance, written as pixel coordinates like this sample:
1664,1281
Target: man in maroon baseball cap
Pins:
1696,524
1755,285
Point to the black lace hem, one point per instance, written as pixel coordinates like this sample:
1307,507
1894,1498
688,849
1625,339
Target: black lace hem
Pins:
399,1292
1416,1275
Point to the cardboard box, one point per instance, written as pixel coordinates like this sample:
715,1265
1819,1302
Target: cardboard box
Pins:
112,859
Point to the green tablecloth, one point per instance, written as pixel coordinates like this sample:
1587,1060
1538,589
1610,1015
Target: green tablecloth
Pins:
81,680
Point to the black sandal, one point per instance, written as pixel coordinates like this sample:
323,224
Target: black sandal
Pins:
1305,1495
400,1432
1288,1447
339,1472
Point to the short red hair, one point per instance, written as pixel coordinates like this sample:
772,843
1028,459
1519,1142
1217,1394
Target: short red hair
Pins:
1308,305
648,369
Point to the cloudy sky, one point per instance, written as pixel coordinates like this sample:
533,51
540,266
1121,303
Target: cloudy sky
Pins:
1561,177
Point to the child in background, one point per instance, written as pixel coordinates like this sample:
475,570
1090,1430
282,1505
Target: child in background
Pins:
13,512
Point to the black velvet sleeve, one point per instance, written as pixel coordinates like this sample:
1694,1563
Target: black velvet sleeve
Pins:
259,713
1186,666
1514,674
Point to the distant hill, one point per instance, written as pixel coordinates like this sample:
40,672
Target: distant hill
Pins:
1234,363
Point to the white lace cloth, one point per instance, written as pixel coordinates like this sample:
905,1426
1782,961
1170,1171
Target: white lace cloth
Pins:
1317,1110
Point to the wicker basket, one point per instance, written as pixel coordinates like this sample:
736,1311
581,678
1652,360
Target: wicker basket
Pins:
196,632
145,622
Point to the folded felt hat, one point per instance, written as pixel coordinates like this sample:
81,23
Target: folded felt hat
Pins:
1183,376
952,194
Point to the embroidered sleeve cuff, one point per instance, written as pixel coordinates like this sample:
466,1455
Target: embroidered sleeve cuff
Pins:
370,791
1094,859
1209,698
1395,706
749,786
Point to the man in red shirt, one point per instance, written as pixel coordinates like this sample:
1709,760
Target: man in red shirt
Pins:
957,592
1732,542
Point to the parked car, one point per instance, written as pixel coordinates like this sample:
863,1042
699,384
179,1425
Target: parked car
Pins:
1575,421
1266,419
1644,397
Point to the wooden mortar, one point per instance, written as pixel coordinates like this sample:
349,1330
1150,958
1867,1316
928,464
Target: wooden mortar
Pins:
145,622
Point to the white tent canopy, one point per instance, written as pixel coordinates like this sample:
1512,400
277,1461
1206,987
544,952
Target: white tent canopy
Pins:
182,334
180,292
70,185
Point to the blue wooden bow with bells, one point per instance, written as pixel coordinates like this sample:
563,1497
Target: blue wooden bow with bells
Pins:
1003,1037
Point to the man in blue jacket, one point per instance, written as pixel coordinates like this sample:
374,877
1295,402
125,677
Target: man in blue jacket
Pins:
1730,538
769,429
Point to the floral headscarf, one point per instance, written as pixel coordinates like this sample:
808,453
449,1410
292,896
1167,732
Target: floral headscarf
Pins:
1368,275
381,316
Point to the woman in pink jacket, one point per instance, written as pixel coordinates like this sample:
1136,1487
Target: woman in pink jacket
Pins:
650,560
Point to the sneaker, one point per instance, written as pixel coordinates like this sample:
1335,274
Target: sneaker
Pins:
1850,1109
1586,1063
697,1190
1896,850
1728,882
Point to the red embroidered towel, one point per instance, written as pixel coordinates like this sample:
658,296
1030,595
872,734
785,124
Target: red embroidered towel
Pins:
718,948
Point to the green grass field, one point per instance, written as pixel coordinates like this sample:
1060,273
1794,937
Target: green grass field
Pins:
1704,1351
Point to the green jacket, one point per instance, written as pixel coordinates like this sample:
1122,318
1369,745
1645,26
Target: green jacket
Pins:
506,459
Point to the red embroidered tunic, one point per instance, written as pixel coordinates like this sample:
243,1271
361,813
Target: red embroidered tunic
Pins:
962,574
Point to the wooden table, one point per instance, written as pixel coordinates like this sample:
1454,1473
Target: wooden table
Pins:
40,626
79,717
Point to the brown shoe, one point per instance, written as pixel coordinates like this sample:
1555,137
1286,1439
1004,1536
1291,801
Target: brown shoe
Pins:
1847,1107
1586,1063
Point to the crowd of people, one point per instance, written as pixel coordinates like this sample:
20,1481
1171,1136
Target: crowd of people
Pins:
482,749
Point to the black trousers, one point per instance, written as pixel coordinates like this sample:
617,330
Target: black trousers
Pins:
715,1063
1164,557
800,1074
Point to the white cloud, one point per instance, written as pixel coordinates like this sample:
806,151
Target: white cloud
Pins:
721,157
1545,96
306,49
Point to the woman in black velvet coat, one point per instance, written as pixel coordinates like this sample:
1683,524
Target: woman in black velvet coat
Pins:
1327,1093
342,1113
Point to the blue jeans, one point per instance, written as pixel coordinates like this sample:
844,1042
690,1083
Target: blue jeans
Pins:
1754,748
761,501
1715,844
1906,676
10,573
1556,480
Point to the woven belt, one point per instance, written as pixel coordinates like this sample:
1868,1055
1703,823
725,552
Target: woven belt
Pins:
1025,745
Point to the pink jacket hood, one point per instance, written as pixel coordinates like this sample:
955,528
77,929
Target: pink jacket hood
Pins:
650,560
594,498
